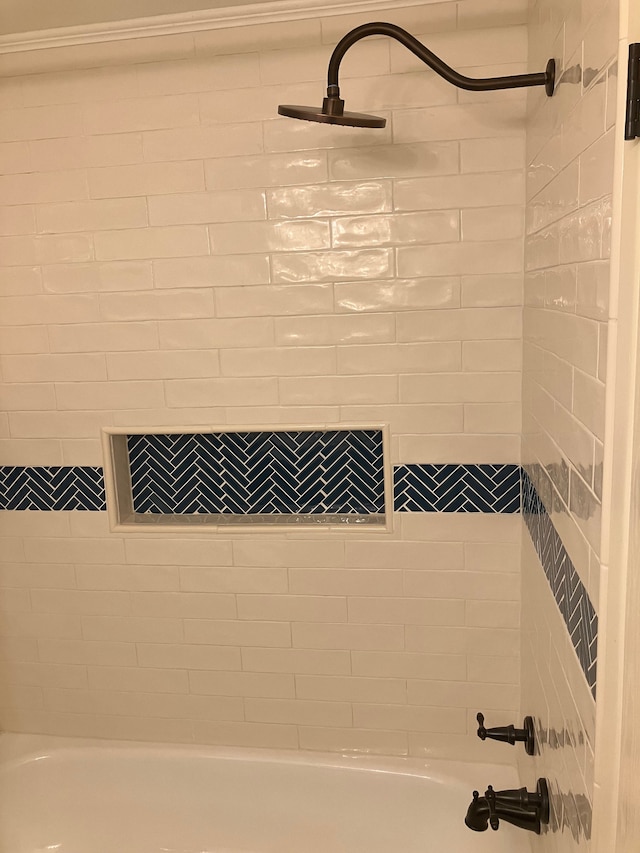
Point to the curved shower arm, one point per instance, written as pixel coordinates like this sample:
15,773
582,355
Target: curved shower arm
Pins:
474,84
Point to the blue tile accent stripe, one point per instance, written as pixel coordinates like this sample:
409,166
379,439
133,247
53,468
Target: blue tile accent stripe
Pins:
259,473
52,488
569,592
457,488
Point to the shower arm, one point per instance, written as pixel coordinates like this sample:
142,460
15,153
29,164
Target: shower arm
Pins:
474,84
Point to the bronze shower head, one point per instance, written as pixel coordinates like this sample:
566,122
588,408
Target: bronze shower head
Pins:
333,112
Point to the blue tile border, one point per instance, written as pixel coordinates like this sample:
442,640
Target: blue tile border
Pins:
324,472
52,488
456,488
568,590
277,473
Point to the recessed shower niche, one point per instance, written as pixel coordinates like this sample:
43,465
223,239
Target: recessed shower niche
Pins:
199,478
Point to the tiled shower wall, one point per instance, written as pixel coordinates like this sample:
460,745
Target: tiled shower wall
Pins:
569,186
177,255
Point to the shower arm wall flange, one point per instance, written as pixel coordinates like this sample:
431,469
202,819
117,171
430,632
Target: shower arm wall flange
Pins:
474,84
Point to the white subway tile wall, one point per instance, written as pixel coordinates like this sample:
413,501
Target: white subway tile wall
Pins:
178,255
569,186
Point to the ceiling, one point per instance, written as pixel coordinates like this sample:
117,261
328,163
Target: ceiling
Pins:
20,16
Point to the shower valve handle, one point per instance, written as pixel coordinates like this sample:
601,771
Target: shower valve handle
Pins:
510,734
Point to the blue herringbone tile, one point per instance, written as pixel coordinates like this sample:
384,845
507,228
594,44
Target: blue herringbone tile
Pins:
457,488
317,472
52,488
568,590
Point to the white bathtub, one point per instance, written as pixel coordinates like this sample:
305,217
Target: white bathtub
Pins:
79,796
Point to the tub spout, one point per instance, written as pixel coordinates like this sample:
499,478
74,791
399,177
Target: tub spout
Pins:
518,806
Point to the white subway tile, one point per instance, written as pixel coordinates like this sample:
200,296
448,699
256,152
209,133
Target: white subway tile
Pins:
351,688
92,216
329,199
336,636
52,368
41,123
487,291
17,281
296,661
66,424
278,362
409,665
17,219
163,365
325,331
176,552
468,324
34,188
462,694
198,143
130,114
293,608
186,605
101,337
221,392
255,684
14,158
405,611
497,449
492,155
219,271
493,418
142,179
95,277
298,711
274,170
398,294
499,256
333,266
109,395
129,629
492,355
64,248
492,223
492,614
169,242
481,190
274,300
471,121
234,633
340,389
395,161
117,149
137,679
177,654
431,227
410,718
205,334
19,396
400,358
156,304
250,237
194,208
234,579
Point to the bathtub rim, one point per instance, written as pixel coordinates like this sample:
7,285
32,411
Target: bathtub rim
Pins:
19,749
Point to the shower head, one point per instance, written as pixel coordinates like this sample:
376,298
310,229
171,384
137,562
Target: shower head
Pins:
332,110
